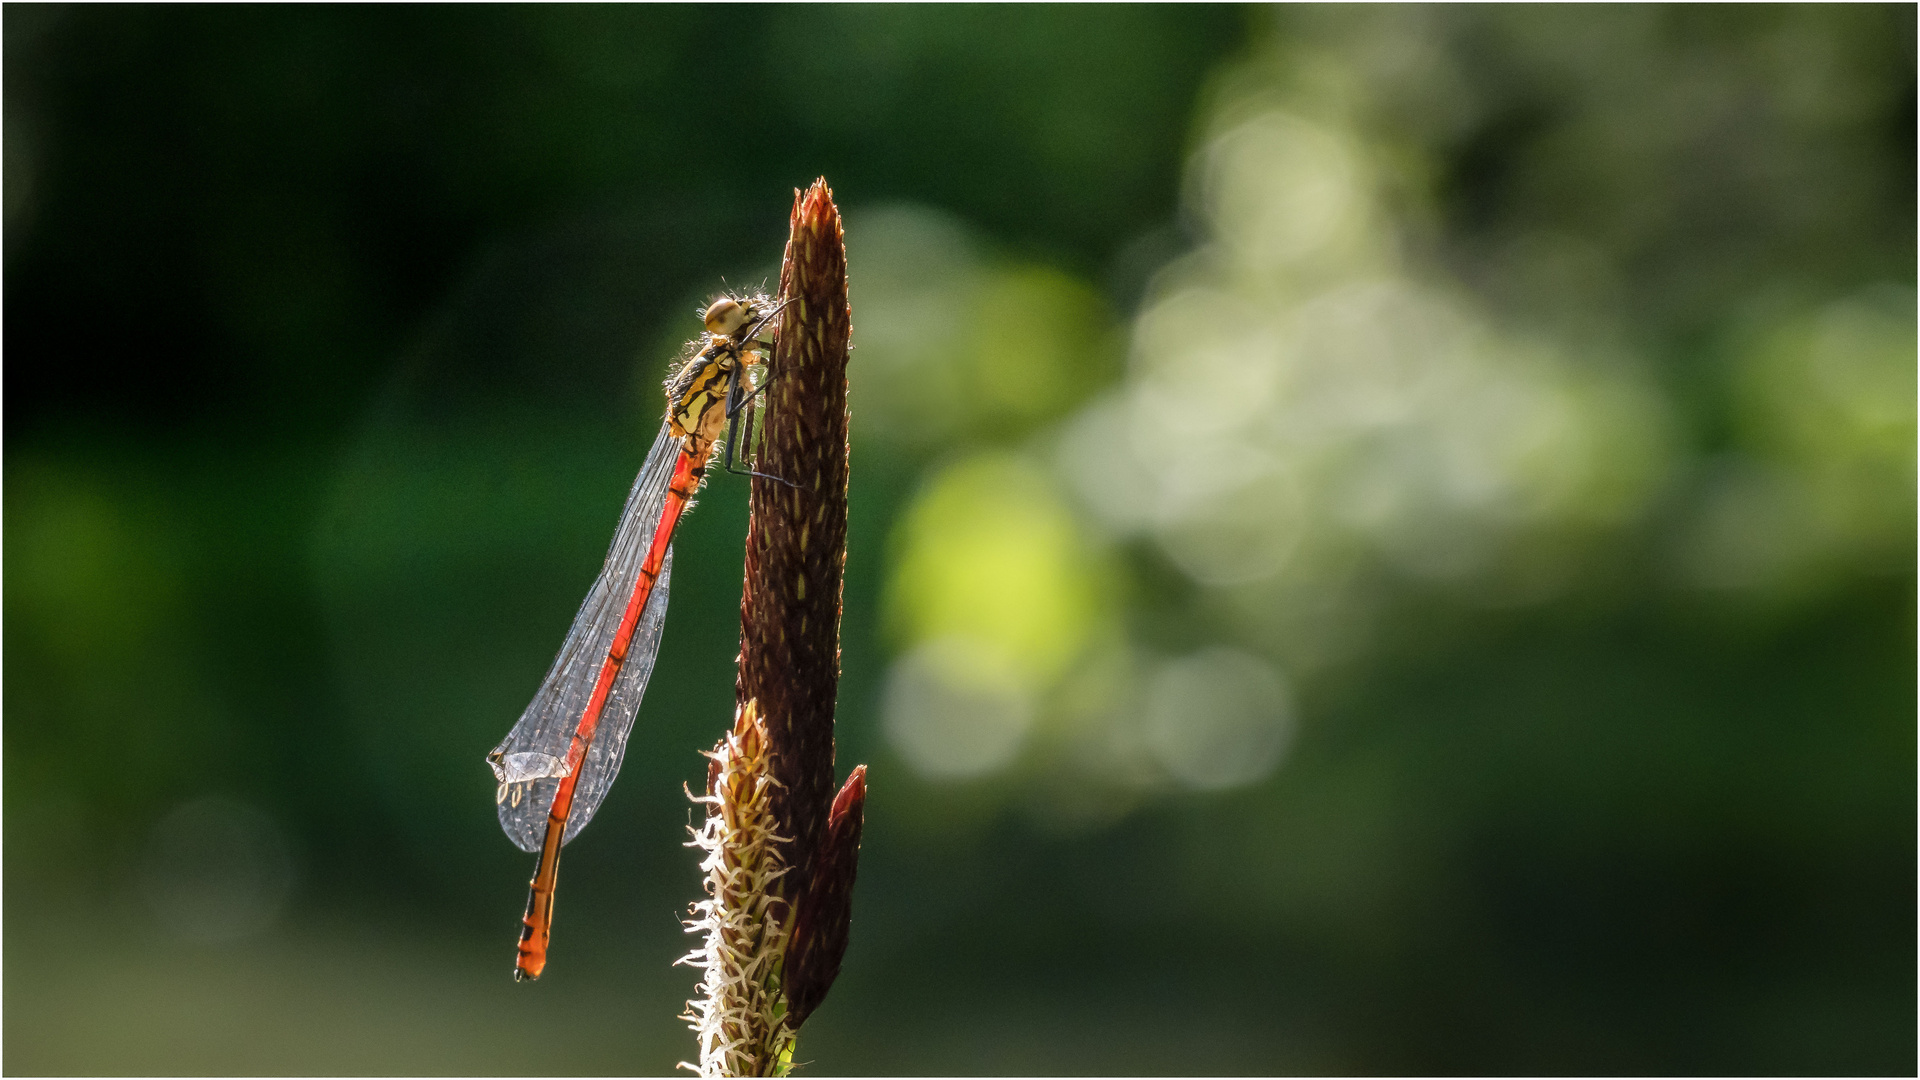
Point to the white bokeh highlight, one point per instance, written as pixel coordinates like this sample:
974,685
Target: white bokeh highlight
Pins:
1218,718
950,715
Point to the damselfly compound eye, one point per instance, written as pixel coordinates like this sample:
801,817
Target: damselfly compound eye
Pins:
727,315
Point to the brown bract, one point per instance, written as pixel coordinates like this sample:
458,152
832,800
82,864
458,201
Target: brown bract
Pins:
825,915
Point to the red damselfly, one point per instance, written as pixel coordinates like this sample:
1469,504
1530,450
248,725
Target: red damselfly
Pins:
555,767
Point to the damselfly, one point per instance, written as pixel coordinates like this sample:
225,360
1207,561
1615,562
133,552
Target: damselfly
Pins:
555,767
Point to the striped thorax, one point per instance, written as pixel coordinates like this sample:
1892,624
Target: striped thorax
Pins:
697,393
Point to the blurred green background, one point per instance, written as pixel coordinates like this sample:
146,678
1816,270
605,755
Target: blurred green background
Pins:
1382,538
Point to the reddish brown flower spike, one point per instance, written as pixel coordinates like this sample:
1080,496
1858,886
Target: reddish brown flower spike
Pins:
796,552
797,536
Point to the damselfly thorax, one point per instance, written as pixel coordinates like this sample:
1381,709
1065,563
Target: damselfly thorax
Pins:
708,389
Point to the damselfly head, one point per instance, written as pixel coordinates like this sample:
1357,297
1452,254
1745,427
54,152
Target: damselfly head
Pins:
727,315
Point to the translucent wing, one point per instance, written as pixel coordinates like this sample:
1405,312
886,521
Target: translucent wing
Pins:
531,760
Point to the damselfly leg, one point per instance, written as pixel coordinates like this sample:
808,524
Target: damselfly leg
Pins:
740,400
738,406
